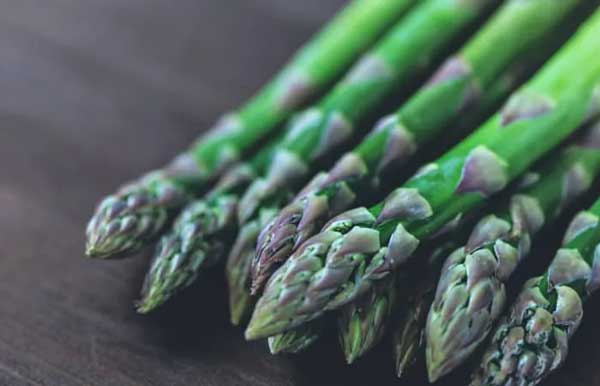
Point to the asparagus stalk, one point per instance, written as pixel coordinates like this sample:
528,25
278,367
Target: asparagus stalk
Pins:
200,234
414,41
532,340
459,84
471,291
139,211
362,246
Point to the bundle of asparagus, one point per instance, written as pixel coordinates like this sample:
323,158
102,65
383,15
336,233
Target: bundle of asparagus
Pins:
140,210
364,245
471,290
313,134
411,45
358,167
304,252
533,338
464,81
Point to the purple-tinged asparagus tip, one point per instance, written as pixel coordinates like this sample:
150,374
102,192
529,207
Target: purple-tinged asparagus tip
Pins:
121,226
134,216
274,245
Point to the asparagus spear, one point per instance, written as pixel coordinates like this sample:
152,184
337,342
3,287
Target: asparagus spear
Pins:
414,42
460,83
362,323
296,340
200,235
471,290
237,266
409,329
138,212
362,246
532,340
415,297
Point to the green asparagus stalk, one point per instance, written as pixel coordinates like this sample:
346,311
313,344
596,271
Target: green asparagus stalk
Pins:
532,339
200,234
471,292
361,246
415,41
461,83
139,211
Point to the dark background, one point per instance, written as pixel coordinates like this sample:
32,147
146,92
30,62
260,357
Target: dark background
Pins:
94,92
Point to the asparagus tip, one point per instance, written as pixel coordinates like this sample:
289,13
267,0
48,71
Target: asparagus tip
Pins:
101,244
260,328
400,371
251,333
119,227
105,251
149,302
351,340
435,370
351,357
92,251
236,318
274,348
144,306
263,324
240,304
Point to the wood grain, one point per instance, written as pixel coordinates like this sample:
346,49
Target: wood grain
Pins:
94,92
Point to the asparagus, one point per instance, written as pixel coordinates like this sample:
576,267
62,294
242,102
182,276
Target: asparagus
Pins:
362,342
354,341
296,340
139,211
458,85
414,41
362,246
532,340
200,235
363,323
237,266
471,291
409,324
360,323
409,330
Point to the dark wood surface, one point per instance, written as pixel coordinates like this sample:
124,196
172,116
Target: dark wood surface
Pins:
94,92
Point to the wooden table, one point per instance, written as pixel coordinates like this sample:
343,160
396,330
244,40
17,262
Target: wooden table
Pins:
94,92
